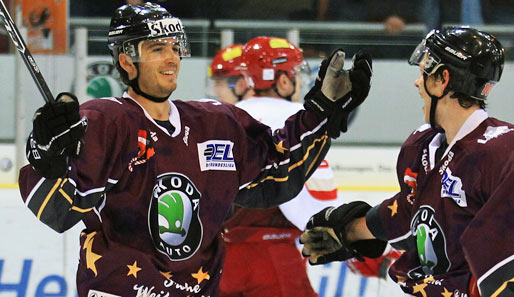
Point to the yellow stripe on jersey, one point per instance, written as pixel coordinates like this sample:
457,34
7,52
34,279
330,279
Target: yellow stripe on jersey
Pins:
299,163
325,137
65,196
502,287
82,210
47,198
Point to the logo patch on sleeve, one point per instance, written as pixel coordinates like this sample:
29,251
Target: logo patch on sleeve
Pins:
216,155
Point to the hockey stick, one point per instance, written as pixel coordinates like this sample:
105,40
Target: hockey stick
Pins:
21,46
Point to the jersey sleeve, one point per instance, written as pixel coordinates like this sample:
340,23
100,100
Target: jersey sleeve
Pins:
61,203
275,165
488,241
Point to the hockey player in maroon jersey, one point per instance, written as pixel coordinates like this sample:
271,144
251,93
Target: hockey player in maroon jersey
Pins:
454,213
153,179
226,82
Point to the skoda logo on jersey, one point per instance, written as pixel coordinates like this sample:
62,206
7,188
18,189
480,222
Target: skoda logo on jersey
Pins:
174,220
431,244
216,155
451,187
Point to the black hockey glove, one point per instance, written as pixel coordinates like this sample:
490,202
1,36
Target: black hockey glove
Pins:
56,136
325,240
337,92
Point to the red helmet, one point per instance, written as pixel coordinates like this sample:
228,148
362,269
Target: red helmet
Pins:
264,56
226,62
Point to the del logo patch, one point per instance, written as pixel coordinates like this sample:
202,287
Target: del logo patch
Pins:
216,155
451,187
174,220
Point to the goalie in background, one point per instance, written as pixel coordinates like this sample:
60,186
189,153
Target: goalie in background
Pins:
453,216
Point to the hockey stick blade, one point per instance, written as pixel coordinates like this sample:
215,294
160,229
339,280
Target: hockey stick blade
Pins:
22,48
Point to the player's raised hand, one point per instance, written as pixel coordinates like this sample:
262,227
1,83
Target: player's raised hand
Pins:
56,135
337,92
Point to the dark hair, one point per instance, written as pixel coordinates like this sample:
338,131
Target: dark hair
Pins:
457,78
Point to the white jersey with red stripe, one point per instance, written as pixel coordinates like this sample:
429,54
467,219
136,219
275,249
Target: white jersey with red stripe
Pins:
320,190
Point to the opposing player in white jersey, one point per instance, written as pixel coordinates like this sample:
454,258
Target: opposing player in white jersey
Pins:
275,99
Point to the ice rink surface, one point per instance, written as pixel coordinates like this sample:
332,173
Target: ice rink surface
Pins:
36,261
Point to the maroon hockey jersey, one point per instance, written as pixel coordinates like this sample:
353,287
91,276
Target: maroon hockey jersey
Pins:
153,203
454,218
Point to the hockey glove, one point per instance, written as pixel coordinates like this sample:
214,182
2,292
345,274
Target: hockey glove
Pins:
325,236
337,92
56,136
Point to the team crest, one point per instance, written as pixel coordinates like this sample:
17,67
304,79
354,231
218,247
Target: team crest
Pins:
411,180
145,149
174,219
431,244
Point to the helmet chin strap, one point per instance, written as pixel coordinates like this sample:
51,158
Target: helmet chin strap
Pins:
135,86
433,101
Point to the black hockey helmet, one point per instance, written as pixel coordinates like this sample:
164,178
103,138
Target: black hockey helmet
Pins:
476,57
132,24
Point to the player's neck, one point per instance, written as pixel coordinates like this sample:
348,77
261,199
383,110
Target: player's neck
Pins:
454,118
157,110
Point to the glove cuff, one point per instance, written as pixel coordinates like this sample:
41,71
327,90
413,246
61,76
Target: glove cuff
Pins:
51,167
371,248
320,104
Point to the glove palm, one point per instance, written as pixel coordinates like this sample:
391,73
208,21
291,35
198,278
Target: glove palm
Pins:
337,92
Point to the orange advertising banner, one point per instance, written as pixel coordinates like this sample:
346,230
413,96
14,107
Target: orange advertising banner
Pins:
46,23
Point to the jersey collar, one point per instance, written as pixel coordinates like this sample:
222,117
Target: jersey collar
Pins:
475,119
174,116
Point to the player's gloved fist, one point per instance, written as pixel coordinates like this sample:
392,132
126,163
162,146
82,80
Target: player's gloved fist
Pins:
325,237
57,134
57,127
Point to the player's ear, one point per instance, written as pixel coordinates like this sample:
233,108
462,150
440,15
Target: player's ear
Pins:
282,81
127,65
445,77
